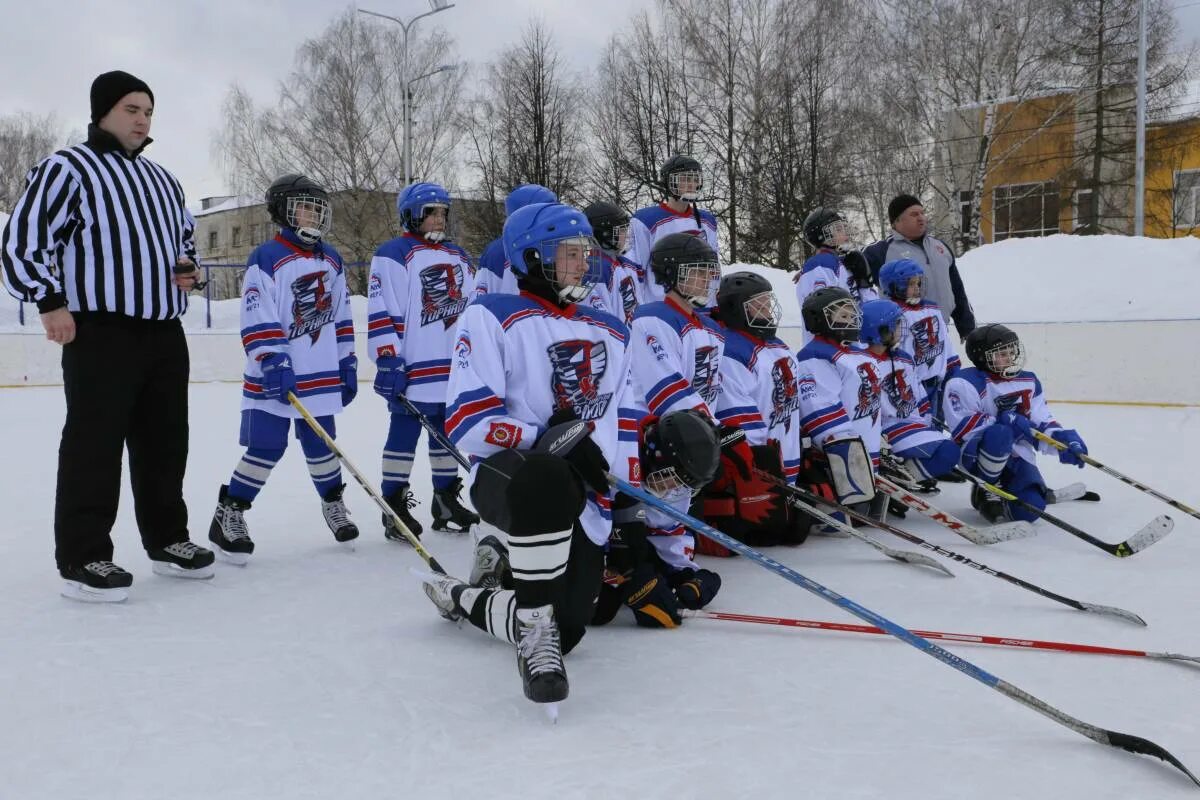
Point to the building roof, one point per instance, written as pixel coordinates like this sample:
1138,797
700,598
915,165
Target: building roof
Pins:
231,204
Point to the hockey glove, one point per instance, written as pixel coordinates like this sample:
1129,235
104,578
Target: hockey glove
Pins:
348,370
390,378
695,588
1021,427
570,438
653,603
1075,446
856,264
735,452
279,379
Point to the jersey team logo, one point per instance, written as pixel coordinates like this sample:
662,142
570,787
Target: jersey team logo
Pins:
374,286
900,393
785,396
442,297
867,404
312,306
462,349
577,367
927,345
629,301
253,298
704,378
1019,401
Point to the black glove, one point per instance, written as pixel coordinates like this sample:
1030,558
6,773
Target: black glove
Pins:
856,264
695,588
569,438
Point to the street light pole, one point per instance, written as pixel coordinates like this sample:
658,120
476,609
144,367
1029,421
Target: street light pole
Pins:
435,7
408,113
1139,188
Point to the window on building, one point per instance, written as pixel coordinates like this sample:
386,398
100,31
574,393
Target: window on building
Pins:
1024,209
237,235
255,233
212,241
1085,211
964,212
1187,198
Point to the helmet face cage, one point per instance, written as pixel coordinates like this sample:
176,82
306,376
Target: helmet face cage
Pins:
1006,358
577,258
667,484
309,215
433,236
698,281
685,184
619,234
844,317
762,310
836,234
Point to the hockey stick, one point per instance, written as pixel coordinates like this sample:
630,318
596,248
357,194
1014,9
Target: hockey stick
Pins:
1074,491
1123,478
1110,611
440,437
1124,741
379,501
965,638
1150,533
991,534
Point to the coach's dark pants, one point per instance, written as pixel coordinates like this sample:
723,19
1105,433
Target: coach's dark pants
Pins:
126,382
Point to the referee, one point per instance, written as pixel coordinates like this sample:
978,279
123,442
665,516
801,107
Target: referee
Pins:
101,241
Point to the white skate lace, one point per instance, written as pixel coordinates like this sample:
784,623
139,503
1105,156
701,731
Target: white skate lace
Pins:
336,515
540,647
234,525
182,549
103,568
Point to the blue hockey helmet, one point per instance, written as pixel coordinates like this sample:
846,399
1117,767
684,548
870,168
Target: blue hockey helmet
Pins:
882,322
526,195
894,278
413,203
538,236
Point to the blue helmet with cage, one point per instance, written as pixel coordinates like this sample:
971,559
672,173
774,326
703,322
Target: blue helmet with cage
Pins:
894,277
534,238
526,195
879,321
413,203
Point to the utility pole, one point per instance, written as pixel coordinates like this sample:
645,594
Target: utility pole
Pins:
1139,199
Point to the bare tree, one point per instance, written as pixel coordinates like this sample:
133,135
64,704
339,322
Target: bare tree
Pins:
25,139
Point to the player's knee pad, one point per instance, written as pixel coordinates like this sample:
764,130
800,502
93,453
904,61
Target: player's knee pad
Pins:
528,492
1031,494
308,438
941,460
263,431
1022,475
988,454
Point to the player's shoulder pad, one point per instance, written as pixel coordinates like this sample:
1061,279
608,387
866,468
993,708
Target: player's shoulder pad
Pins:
708,217
974,376
903,355
502,305
739,346
332,253
823,259
662,312
817,350
396,249
493,259
603,319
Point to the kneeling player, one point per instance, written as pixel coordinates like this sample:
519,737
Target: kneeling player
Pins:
927,451
535,383
993,408
649,566
299,338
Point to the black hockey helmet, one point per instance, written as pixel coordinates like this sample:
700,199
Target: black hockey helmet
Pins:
607,221
831,312
746,302
820,227
676,166
996,349
292,191
680,450
677,251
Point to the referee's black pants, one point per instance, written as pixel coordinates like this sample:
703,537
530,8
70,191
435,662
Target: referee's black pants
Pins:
126,382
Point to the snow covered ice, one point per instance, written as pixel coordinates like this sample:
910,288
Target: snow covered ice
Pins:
318,673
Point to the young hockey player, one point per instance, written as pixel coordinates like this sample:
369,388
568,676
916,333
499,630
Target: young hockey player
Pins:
925,450
681,178
419,286
299,338
494,274
622,286
760,393
649,567
534,389
840,393
992,409
834,262
926,337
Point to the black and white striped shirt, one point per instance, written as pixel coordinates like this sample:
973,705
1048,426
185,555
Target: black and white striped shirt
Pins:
99,230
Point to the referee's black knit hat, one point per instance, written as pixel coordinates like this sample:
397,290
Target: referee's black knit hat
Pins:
109,88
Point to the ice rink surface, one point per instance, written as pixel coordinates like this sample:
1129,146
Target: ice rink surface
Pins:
319,673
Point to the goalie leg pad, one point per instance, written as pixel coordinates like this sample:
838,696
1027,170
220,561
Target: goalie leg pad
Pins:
850,470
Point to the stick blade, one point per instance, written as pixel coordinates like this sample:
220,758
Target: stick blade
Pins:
1153,531
1113,611
1006,532
1145,747
1177,657
917,559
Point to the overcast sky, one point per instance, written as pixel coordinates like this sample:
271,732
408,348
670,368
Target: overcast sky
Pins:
190,51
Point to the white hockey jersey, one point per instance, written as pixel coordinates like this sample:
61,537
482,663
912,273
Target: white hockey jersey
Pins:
494,275
839,393
621,289
416,293
652,223
825,268
904,406
760,393
516,360
974,398
676,358
294,301
927,338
